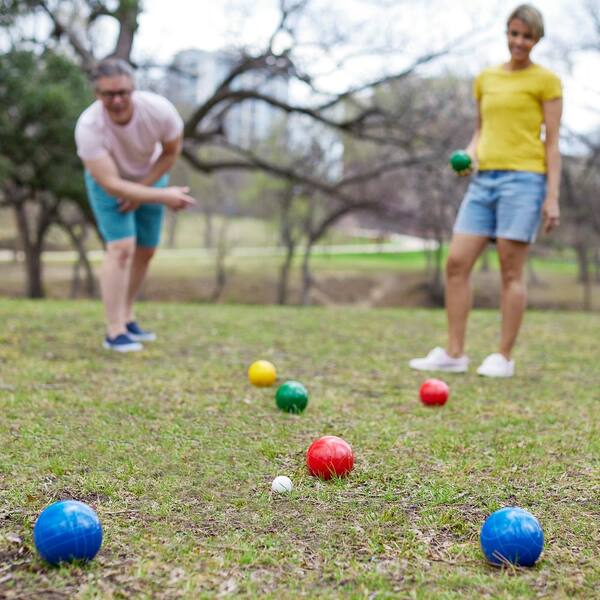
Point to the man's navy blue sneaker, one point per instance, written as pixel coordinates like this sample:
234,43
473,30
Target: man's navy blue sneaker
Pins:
137,334
122,343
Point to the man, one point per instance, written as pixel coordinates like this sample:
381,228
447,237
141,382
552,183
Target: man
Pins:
128,141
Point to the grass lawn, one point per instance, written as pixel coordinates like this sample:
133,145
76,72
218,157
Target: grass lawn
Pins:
176,452
417,261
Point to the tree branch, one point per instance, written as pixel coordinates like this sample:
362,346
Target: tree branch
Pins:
86,56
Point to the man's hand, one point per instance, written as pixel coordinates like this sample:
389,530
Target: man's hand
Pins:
174,197
550,214
126,206
177,198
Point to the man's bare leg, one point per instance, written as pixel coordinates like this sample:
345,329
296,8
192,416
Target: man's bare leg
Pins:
139,267
114,283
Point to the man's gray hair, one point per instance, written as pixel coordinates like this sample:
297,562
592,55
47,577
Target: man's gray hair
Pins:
112,67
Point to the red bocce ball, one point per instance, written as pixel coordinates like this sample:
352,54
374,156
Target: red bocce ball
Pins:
434,392
330,456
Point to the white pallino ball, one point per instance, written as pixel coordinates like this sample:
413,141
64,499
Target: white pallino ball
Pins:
282,484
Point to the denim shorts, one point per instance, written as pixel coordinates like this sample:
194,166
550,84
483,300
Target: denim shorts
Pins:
144,223
503,204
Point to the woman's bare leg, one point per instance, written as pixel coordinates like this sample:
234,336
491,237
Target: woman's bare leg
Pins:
464,251
512,255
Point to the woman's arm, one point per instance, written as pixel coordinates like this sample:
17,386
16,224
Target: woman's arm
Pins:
550,210
471,149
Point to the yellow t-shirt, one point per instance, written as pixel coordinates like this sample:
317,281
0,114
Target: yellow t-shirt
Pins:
512,117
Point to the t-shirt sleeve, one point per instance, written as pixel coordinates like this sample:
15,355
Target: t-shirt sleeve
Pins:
552,87
90,145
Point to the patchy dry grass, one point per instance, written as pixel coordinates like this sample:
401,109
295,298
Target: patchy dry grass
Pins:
176,453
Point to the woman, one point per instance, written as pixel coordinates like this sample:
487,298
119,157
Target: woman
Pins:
516,186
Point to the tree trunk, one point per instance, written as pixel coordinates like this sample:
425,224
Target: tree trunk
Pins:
428,261
35,287
437,284
284,275
33,252
127,15
307,279
75,280
532,276
287,239
583,264
208,228
82,262
220,263
584,274
172,228
587,295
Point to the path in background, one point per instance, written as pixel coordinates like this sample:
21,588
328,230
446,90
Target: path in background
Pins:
400,243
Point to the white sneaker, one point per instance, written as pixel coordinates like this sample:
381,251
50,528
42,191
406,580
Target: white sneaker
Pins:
438,360
496,365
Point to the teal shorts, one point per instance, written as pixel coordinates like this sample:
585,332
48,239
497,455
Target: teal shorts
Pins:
143,224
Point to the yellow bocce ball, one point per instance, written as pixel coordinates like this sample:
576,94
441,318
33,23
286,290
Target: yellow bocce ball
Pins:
262,373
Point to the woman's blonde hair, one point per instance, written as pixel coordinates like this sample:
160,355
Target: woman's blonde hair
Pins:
531,16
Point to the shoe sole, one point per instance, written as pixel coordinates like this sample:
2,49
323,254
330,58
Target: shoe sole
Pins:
441,369
129,348
142,338
495,376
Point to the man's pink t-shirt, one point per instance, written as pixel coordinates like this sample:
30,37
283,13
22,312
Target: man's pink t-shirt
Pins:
135,146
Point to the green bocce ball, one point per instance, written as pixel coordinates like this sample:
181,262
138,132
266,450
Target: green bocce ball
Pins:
291,397
460,161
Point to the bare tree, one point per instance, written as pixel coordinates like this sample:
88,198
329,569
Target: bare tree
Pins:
225,192
40,176
357,114
581,215
353,112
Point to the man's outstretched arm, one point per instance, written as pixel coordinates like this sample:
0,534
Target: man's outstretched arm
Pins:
105,172
170,153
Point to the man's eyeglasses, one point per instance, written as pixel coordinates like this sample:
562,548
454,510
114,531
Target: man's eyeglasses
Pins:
110,95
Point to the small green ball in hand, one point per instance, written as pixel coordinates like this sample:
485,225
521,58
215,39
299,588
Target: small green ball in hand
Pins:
460,161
